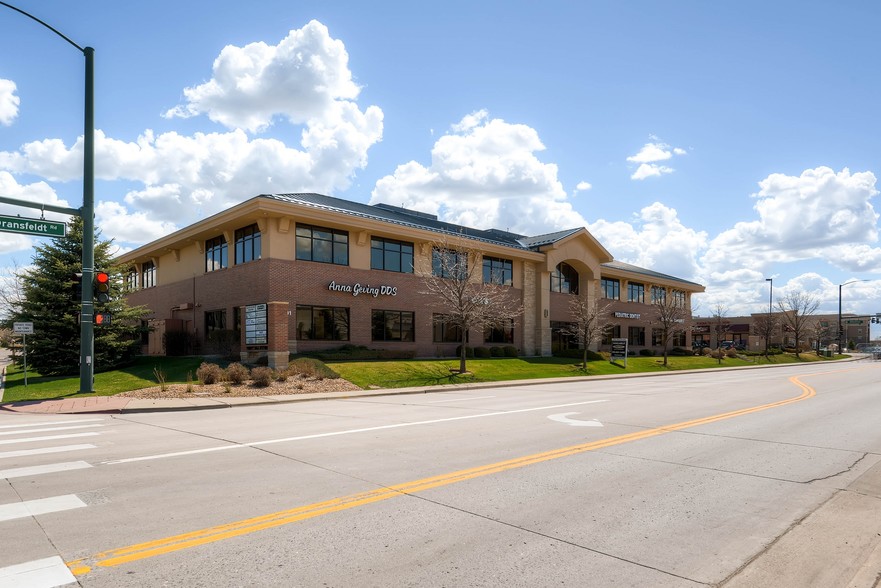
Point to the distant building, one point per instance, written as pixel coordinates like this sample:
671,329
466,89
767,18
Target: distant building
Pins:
741,330
287,273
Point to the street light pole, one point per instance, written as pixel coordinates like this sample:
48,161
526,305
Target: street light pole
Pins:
840,286
87,212
770,307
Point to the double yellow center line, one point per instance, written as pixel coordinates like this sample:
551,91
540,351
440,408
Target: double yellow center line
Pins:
150,549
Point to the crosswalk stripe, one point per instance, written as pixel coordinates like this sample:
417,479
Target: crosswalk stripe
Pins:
47,438
44,450
40,573
48,423
49,429
43,469
30,508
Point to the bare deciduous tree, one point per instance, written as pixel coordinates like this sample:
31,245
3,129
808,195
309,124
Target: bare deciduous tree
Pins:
589,322
796,309
764,326
720,326
670,314
463,299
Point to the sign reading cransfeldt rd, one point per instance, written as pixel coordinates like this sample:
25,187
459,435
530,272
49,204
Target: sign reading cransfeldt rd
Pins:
619,350
23,328
32,226
255,324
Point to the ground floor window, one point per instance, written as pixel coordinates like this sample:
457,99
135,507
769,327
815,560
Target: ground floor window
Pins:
612,333
562,337
679,339
502,334
215,320
393,325
324,323
657,337
443,331
636,335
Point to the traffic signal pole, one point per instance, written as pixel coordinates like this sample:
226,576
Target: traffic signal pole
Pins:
87,212
87,313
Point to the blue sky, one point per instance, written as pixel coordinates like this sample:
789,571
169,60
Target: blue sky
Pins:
722,142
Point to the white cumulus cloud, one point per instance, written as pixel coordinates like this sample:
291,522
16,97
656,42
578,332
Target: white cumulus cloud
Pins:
9,102
301,78
818,214
655,239
649,155
484,173
304,81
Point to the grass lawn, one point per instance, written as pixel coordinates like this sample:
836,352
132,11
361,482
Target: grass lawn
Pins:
139,375
376,374
406,373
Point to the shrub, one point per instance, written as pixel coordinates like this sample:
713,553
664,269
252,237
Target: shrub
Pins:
731,352
209,373
282,375
262,376
469,351
646,352
496,351
309,366
678,352
510,351
706,351
236,373
481,352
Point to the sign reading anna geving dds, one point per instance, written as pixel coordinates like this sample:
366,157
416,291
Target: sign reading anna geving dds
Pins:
356,289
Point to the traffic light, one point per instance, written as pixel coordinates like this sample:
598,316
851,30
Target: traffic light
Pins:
103,318
102,287
76,287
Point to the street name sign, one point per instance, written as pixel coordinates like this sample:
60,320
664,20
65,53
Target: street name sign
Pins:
32,226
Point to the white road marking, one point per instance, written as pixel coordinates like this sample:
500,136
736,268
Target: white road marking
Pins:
32,508
563,417
460,399
59,449
49,429
40,573
47,438
43,469
345,432
48,423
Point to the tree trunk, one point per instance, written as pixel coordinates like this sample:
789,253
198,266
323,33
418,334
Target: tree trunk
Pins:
462,353
584,359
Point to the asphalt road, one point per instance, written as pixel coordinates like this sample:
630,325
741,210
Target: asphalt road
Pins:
765,477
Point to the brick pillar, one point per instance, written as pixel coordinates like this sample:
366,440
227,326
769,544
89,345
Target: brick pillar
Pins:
277,319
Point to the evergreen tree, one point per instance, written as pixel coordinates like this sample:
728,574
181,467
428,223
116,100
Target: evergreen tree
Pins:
49,300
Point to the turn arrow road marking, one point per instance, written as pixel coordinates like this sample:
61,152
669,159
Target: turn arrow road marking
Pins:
563,417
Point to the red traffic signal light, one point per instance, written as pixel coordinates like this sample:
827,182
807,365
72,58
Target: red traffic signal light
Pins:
102,287
103,318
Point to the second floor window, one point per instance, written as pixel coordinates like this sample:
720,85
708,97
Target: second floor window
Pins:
216,254
322,245
498,271
659,295
148,274
611,288
678,298
564,279
131,280
390,255
448,263
635,292
248,244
